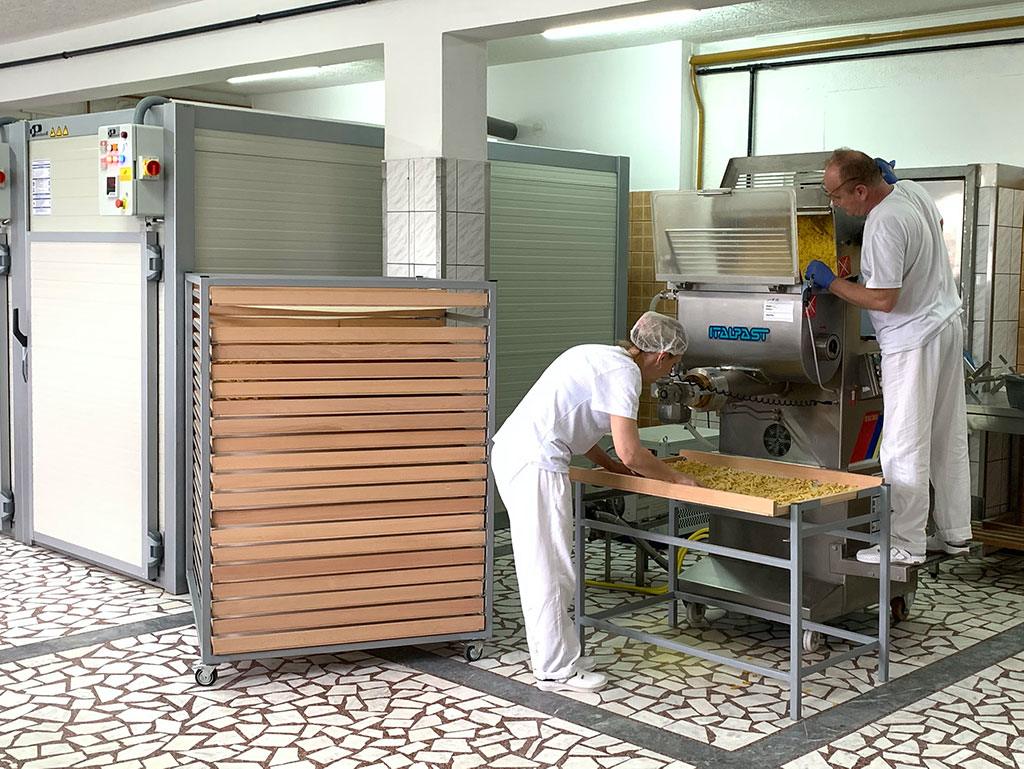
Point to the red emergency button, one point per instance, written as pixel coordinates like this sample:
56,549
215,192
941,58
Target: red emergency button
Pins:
119,203
153,168
3,177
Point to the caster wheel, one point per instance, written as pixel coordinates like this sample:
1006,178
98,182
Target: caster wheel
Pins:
474,652
206,676
901,607
695,613
812,640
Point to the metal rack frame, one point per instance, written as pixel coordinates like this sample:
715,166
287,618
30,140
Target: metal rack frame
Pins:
799,530
199,585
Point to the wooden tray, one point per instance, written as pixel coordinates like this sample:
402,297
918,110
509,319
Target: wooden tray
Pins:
727,499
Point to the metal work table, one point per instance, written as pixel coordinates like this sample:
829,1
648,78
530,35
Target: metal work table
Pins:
993,413
799,531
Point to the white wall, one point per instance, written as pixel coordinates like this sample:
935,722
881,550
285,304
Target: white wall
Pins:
359,103
624,102
930,109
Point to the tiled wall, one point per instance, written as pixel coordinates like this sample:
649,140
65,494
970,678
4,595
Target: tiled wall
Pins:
998,330
642,288
642,285
435,207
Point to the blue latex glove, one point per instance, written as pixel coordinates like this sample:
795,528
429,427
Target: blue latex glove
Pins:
820,273
886,168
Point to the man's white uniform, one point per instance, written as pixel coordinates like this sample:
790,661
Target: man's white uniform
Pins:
925,429
566,412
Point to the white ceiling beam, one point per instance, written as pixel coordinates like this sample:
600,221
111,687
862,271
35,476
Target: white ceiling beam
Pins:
360,31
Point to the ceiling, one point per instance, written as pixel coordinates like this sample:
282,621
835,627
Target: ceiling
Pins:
28,18
23,19
748,19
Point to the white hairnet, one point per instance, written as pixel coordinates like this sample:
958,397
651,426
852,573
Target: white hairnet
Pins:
655,332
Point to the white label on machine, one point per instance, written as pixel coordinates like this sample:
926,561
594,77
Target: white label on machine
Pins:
42,196
779,310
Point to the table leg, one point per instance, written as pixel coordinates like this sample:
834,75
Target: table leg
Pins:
796,590
581,565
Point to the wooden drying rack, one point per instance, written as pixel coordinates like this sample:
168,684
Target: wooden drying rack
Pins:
339,491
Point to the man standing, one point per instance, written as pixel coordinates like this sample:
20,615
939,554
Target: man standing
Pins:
909,293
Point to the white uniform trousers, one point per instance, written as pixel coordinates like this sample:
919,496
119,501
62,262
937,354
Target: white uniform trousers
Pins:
539,504
925,437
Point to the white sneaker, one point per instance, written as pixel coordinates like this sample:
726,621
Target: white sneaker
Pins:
581,682
937,544
586,664
896,555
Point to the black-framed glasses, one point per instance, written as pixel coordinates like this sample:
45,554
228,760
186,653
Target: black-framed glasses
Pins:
832,194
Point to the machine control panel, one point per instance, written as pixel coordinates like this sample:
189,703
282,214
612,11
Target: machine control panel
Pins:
131,170
5,182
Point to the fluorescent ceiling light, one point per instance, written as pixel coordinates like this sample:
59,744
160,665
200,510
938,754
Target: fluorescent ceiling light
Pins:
285,73
629,24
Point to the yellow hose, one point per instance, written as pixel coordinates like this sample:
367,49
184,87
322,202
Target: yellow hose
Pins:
695,537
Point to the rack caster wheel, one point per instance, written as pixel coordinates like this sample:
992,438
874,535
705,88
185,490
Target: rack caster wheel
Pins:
206,675
695,613
812,640
474,652
901,605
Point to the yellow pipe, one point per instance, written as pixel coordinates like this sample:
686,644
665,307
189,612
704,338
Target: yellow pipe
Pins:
828,44
700,124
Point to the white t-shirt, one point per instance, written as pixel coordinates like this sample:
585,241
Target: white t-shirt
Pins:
570,407
903,248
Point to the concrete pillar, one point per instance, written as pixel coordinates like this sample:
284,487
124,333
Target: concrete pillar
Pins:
436,176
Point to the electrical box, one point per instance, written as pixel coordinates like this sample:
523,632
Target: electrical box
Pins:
131,170
5,182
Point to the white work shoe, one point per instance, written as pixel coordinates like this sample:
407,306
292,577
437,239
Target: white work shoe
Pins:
937,544
581,682
586,664
897,555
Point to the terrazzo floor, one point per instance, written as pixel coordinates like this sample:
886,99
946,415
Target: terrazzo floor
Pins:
45,595
132,702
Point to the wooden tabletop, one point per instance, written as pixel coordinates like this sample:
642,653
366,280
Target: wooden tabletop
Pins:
726,499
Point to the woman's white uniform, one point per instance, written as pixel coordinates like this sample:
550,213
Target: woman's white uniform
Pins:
566,412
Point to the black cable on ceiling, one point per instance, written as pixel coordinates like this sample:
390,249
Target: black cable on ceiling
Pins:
203,29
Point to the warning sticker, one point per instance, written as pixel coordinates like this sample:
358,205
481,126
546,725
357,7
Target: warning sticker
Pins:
811,308
126,174
779,310
844,267
42,197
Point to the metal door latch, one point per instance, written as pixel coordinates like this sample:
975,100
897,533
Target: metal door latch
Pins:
5,258
156,549
6,506
155,263
22,338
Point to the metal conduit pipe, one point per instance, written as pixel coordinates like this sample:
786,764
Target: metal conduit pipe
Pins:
259,18
502,129
831,44
139,117
659,297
